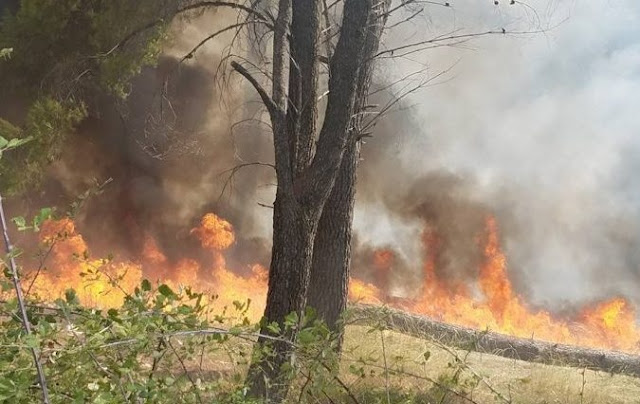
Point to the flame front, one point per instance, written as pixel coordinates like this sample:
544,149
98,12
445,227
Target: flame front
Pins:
105,283
494,305
609,324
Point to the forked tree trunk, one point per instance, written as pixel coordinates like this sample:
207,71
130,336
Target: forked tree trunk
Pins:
329,280
304,181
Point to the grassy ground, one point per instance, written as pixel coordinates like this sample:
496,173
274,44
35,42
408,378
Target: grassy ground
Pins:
498,379
388,367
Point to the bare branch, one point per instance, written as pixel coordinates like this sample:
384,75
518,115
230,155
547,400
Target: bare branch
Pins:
232,171
268,102
190,7
192,52
445,38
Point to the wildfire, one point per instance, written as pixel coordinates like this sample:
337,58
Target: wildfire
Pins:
494,305
609,324
105,283
214,232
97,282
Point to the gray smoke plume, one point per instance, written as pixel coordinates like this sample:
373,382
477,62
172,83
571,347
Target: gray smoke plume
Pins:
536,129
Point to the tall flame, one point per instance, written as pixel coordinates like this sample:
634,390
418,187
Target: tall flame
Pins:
609,324
489,303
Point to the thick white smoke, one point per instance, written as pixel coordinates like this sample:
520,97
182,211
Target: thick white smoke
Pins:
543,127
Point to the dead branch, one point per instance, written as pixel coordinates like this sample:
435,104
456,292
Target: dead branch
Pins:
192,52
266,99
529,350
232,171
454,37
190,7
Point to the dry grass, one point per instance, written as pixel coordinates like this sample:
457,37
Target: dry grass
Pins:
411,377
517,381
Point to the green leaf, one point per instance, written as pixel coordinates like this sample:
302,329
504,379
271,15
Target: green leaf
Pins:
291,319
31,341
20,222
166,291
71,297
306,336
146,285
3,143
5,286
274,328
13,143
41,217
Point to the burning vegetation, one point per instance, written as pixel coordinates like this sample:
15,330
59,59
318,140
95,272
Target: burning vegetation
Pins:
489,302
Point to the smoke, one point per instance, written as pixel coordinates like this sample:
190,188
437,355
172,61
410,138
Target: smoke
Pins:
165,156
536,129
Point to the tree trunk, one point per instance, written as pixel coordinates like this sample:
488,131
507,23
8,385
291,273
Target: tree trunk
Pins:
294,230
303,186
329,282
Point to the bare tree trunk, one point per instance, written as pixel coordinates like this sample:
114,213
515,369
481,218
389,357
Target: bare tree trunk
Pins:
304,180
329,280
332,250
294,230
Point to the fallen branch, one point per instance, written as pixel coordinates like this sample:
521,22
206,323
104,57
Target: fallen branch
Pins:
529,350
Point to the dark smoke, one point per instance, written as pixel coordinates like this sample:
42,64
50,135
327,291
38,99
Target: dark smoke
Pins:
165,154
522,131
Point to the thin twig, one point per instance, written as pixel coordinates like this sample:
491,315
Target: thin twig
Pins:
425,378
470,369
101,367
209,331
196,390
40,268
185,9
342,384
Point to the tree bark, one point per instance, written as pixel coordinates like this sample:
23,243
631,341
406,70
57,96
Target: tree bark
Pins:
294,230
329,280
303,82
303,188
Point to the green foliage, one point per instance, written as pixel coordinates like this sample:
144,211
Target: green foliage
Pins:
65,54
71,44
47,124
166,345
41,217
129,354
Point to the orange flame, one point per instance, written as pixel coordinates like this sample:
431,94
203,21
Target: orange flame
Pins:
214,232
609,324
